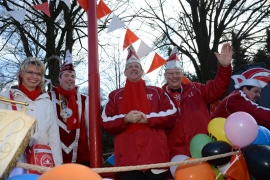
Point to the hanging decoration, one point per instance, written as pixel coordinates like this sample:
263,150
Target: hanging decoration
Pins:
43,7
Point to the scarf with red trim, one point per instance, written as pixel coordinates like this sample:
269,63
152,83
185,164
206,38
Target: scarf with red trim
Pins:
73,120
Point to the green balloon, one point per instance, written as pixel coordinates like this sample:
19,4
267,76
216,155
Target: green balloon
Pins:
197,143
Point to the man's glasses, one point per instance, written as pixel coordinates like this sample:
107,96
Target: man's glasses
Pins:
173,73
133,67
32,73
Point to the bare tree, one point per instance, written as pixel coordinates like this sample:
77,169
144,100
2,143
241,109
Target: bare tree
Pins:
42,36
198,27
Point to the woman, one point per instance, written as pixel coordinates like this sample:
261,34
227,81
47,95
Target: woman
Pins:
30,90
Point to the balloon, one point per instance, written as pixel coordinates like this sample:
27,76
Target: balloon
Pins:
24,177
175,159
218,175
194,171
197,143
216,148
263,136
241,129
216,129
257,157
70,171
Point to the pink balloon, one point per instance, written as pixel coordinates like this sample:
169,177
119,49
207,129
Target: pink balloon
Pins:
241,129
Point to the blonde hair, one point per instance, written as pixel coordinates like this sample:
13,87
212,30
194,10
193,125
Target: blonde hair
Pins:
36,62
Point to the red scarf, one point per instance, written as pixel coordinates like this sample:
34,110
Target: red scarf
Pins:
134,98
31,94
71,98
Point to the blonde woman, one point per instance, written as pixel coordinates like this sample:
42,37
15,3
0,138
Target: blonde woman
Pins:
30,90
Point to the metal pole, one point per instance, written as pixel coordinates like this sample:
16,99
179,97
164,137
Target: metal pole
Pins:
95,152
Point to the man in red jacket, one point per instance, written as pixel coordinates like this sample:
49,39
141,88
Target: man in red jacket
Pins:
248,88
193,99
72,112
138,116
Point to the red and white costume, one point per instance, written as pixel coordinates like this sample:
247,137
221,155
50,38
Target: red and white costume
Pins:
237,101
193,109
145,145
74,143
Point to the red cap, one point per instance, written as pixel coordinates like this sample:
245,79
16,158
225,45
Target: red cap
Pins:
67,63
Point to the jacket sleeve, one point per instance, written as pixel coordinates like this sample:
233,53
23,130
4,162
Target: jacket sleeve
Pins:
165,116
242,103
213,90
112,121
54,138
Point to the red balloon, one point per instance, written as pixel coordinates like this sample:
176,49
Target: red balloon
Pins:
194,171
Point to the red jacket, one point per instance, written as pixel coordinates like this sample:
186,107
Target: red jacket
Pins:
144,146
237,101
193,113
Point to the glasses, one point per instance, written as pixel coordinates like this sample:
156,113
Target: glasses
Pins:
32,73
133,67
173,73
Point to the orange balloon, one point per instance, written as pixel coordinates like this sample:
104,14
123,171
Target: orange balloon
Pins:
70,171
202,171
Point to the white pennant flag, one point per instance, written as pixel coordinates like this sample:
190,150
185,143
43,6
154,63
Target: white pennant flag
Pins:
18,15
143,50
116,23
67,2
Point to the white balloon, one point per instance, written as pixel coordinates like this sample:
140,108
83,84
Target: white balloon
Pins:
177,158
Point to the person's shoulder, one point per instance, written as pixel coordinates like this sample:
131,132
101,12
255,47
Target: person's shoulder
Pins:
117,90
191,84
155,89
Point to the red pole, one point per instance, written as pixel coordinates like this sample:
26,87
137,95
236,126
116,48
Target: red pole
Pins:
95,152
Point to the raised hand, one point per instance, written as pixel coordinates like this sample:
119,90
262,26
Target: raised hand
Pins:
225,57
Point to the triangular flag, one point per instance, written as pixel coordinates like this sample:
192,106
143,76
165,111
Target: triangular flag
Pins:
18,15
143,50
44,8
238,168
130,38
116,23
185,80
67,2
102,9
83,4
156,63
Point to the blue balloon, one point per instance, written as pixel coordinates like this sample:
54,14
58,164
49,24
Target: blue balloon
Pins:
263,136
111,159
24,177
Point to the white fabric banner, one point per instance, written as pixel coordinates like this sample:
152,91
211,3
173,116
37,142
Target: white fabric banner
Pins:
67,2
143,50
116,23
18,15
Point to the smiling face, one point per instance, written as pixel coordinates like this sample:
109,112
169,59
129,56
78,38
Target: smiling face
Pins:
67,80
173,78
133,72
31,77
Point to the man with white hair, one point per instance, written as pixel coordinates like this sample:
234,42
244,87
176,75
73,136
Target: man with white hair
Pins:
248,89
193,99
138,115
